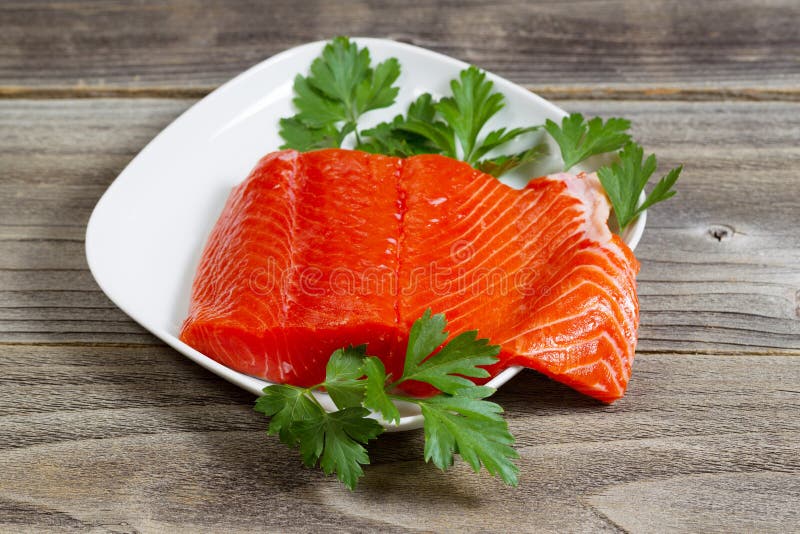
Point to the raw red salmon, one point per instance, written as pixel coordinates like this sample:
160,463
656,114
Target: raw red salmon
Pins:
320,250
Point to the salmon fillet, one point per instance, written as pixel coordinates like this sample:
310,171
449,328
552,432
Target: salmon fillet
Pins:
319,250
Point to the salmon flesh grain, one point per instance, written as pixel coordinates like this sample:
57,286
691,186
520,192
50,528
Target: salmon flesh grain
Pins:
321,250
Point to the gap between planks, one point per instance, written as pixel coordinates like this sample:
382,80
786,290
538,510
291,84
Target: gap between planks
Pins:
553,93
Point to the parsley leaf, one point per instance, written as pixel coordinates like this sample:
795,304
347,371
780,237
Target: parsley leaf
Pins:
377,90
341,86
315,110
426,334
303,137
342,376
376,398
473,103
332,439
502,164
498,138
625,180
394,139
446,369
436,133
286,404
579,140
343,75
473,427
452,127
335,439
465,114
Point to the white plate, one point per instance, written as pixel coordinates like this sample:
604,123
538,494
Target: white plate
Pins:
146,233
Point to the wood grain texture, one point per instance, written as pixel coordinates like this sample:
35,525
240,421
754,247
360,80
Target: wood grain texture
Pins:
567,48
696,502
721,262
140,439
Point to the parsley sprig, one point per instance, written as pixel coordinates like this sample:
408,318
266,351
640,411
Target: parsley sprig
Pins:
459,420
579,139
623,180
453,126
342,86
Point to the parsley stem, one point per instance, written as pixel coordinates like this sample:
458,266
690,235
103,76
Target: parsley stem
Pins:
396,383
309,393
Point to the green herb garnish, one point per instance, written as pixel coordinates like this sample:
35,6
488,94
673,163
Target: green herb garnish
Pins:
396,138
458,420
341,87
624,182
453,125
579,139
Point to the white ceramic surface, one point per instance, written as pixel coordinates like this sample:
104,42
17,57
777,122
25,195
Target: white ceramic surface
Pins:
146,233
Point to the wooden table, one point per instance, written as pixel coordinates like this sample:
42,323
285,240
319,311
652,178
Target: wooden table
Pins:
103,428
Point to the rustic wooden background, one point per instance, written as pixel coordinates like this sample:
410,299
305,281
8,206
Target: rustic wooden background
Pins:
103,428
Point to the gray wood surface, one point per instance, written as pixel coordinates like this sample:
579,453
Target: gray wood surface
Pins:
657,49
138,438
104,429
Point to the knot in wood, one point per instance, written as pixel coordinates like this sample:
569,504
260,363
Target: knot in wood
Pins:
721,232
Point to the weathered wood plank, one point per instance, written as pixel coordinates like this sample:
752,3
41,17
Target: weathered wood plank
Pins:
568,48
721,262
764,502
86,147
700,443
